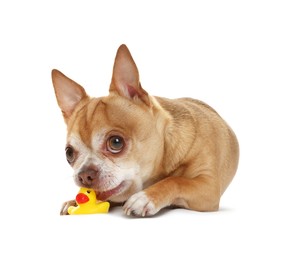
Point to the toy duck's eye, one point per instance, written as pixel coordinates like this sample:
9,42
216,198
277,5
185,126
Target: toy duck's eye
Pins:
115,144
88,191
70,154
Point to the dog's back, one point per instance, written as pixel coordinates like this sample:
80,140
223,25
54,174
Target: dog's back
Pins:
212,139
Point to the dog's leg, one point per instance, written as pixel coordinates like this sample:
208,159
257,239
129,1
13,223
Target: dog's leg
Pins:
66,205
200,193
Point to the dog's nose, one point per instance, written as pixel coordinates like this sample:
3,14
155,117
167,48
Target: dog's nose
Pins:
87,177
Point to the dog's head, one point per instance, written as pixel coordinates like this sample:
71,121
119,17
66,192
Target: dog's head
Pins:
114,143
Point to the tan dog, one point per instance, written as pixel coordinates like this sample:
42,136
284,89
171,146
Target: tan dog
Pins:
149,152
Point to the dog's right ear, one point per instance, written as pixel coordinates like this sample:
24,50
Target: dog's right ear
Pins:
68,93
125,78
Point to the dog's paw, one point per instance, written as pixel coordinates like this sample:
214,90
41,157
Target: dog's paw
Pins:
66,205
139,204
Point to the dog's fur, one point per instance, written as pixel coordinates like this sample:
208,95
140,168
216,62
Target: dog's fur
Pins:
149,152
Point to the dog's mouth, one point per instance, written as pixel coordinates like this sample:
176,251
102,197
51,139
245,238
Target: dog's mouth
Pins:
104,195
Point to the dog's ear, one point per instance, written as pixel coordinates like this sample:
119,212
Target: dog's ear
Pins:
68,93
125,78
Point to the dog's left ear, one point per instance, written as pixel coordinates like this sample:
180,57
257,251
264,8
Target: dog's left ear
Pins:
125,78
68,93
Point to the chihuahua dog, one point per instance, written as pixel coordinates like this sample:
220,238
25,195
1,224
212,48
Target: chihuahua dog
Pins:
145,152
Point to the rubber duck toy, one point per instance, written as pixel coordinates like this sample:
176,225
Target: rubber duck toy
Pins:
87,203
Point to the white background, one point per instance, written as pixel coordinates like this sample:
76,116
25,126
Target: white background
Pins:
234,55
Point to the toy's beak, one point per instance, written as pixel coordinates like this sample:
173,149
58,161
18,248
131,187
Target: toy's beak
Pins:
82,198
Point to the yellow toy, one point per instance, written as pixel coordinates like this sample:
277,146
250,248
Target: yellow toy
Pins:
88,203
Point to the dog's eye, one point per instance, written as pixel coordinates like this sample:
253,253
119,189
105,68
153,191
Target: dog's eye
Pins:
70,154
115,144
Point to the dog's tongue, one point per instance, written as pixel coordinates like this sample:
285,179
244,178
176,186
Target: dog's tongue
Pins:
103,195
82,198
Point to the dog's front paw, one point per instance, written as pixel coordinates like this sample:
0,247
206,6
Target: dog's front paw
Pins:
66,205
140,204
